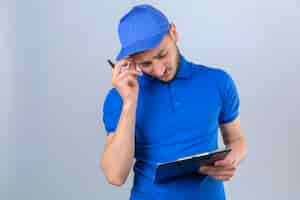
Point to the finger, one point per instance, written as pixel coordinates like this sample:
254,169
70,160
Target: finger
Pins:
118,66
117,78
208,170
225,166
203,169
131,81
116,70
222,178
128,73
221,175
229,159
228,173
225,162
212,171
133,67
122,75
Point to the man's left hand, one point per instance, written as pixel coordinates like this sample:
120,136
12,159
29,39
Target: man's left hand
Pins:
221,170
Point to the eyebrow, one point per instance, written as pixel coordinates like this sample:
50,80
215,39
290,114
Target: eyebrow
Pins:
156,56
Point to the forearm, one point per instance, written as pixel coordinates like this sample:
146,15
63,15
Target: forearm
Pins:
119,152
239,148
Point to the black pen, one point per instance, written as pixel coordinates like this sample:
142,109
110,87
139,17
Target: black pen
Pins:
111,63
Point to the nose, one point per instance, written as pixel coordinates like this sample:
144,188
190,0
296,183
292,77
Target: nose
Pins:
158,68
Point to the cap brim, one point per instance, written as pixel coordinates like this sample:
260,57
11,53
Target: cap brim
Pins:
141,45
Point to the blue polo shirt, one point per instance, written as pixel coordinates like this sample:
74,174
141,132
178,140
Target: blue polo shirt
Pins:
173,120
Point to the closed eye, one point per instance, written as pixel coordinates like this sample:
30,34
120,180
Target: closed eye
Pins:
162,55
146,64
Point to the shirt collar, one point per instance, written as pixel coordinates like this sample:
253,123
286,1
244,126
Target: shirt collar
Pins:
184,68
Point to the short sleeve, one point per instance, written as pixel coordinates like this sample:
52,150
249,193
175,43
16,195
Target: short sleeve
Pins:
230,99
112,107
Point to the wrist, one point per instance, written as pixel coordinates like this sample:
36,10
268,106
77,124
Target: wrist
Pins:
128,105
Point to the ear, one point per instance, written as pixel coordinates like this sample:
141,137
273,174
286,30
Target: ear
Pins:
173,32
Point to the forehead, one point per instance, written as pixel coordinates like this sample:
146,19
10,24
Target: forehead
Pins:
149,54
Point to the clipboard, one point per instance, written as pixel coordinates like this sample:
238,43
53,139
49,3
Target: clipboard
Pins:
187,165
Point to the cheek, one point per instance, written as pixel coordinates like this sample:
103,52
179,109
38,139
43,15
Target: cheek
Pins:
147,70
171,64
168,62
173,61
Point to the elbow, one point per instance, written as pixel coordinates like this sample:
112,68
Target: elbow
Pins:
112,178
116,181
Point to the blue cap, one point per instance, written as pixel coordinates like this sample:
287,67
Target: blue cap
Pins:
142,28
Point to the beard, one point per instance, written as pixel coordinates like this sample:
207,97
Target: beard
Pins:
176,67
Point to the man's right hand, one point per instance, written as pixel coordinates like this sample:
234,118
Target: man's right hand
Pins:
125,81
118,153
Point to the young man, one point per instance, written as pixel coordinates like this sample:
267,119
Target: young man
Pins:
168,109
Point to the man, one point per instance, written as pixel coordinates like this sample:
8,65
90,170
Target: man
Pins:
163,107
